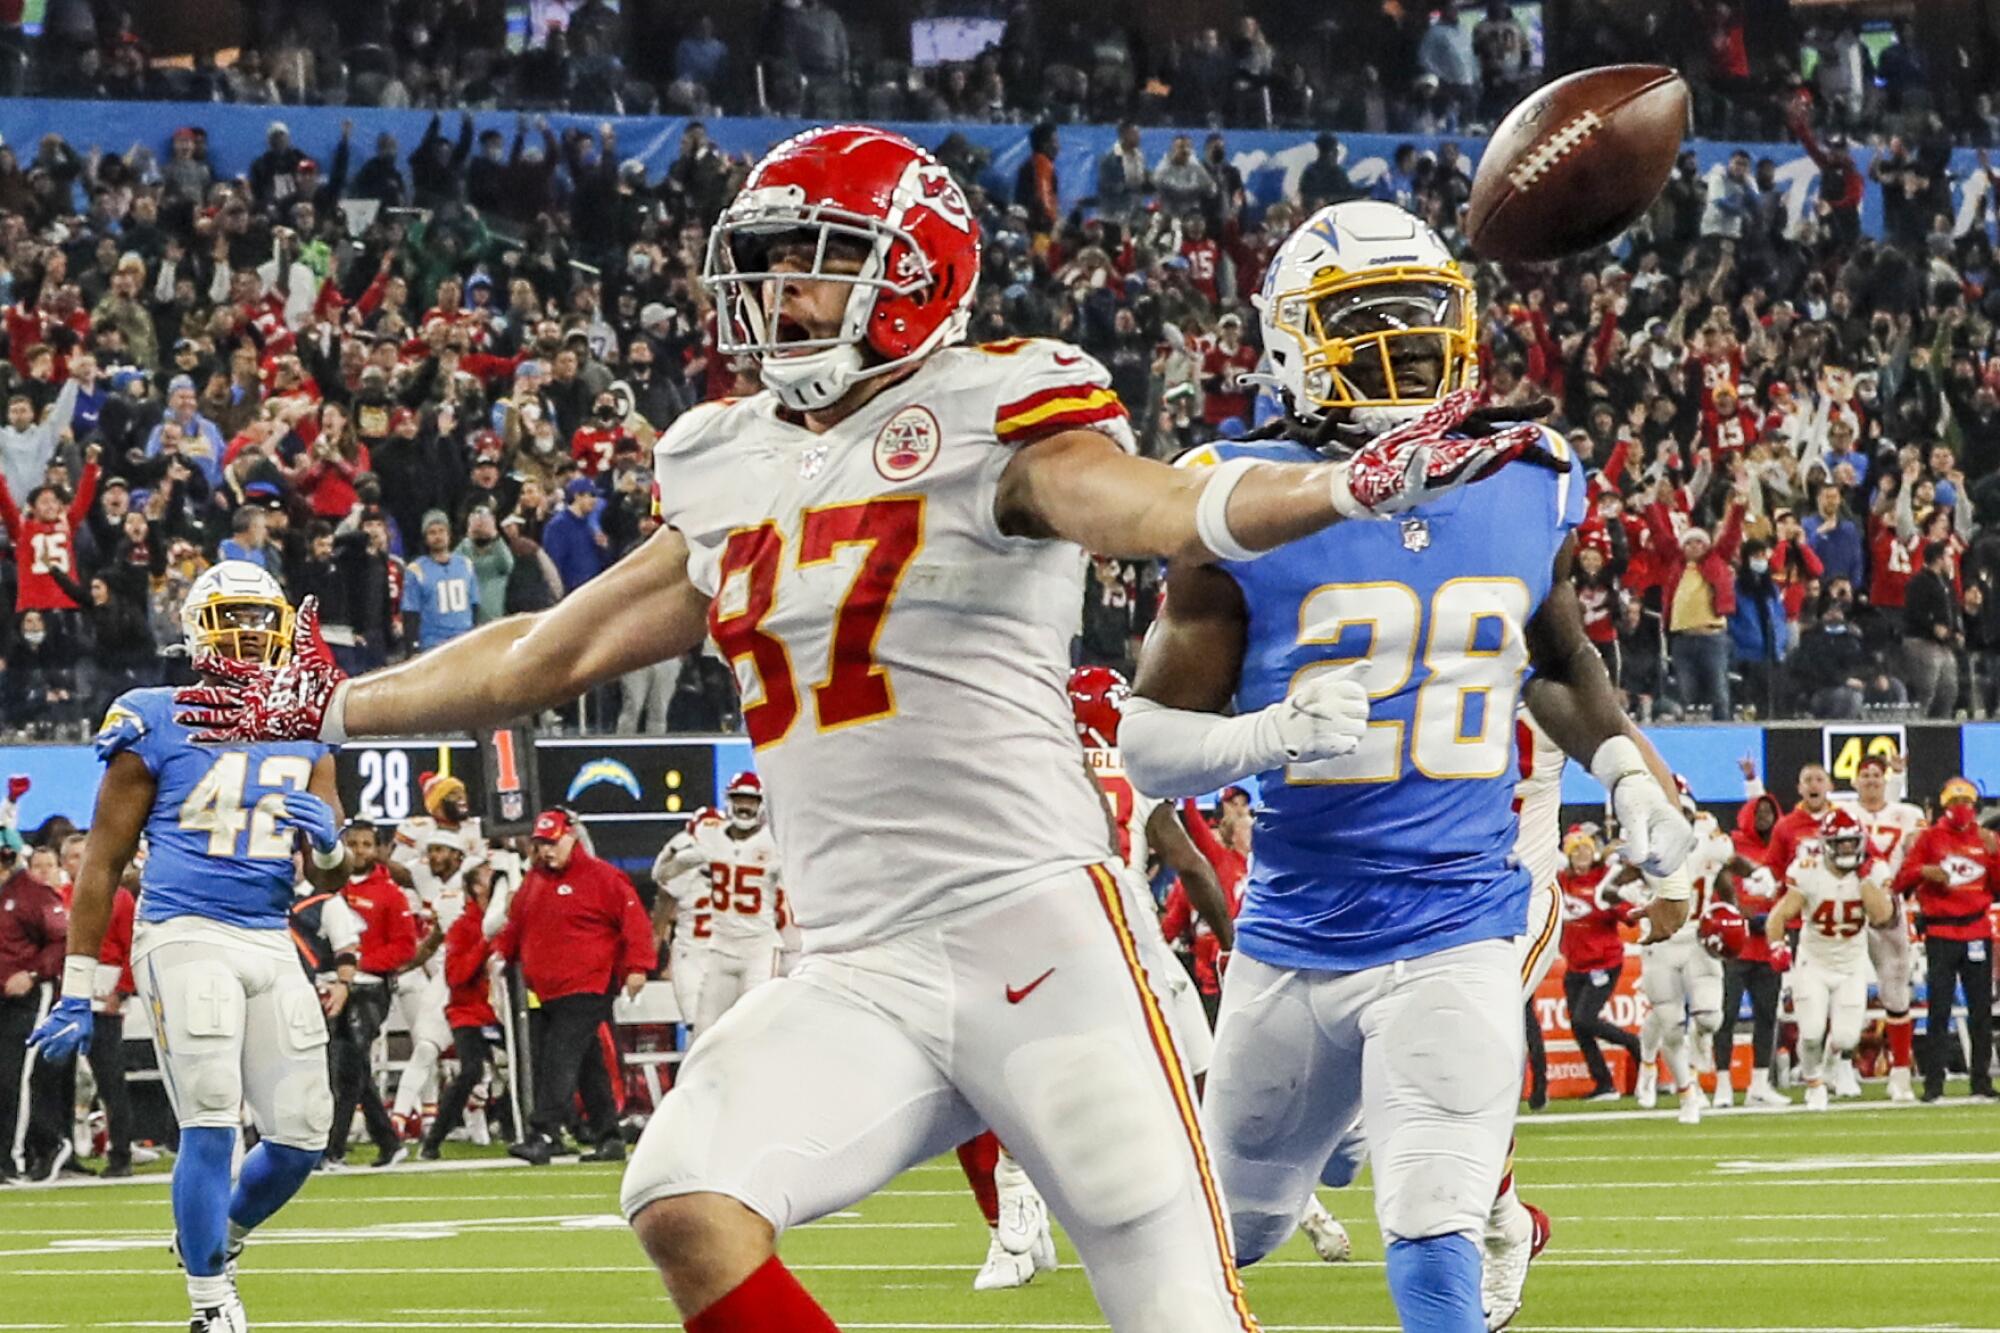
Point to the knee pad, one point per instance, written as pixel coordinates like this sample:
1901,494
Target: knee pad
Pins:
1104,1121
1705,1022
211,1088
301,1110
1443,1043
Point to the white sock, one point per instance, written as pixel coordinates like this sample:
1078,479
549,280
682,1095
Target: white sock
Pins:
205,1293
416,1076
1812,1059
1652,1036
1760,1080
1676,1048
1008,1175
1506,1214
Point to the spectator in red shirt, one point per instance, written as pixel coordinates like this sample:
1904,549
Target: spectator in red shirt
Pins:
1223,365
1593,955
575,927
45,539
1950,867
1727,427
598,440
468,1007
388,946
1204,259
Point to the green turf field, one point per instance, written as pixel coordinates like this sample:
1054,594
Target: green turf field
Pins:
1866,1218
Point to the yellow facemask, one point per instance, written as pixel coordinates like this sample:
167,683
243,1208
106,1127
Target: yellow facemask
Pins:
1352,328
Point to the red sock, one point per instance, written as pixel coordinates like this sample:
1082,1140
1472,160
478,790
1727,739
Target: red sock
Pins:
1899,1041
979,1156
770,1300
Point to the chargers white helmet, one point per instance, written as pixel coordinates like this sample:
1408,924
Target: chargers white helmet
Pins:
239,611
1364,310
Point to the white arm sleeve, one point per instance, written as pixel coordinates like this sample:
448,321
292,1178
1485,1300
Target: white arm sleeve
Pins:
1177,752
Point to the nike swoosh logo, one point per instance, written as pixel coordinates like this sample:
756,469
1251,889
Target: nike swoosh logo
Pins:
1016,996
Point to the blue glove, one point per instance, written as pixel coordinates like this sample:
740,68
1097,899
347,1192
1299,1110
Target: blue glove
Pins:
313,817
64,1032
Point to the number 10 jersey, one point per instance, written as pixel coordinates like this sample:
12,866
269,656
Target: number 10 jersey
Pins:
903,664
1405,847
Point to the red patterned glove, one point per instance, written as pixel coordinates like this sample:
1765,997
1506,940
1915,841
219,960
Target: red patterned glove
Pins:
255,702
1723,931
17,786
1781,958
1419,460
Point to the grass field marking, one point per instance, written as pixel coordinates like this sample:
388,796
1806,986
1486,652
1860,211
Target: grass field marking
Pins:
1016,1326
1847,1162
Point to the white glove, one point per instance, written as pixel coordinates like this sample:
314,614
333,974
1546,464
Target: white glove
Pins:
1658,837
1324,718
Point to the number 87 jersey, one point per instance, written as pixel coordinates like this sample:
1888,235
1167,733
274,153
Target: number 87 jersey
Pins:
215,848
1404,847
902,662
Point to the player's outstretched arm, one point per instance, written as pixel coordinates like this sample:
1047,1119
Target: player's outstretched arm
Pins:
1572,697
1080,486
1788,909
1174,741
1875,899
640,611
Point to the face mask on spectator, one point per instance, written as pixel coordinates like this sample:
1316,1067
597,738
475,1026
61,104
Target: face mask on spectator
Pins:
640,264
1759,565
33,637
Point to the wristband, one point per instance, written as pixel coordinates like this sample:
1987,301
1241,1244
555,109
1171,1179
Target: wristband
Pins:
1211,511
333,726
333,859
79,977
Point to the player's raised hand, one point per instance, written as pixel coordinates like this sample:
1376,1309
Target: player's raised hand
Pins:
1324,718
64,1032
1422,459
311,816
255,702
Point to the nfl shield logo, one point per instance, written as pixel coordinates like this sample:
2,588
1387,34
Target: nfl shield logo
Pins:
811,461
1416,534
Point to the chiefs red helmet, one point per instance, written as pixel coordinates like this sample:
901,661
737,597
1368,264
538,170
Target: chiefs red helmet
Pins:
1723,931
874,211
1845,841
744,797
1097,700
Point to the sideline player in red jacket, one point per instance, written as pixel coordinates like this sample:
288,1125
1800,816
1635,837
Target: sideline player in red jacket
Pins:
468,1008
1593,955
575,927
1951,867
1756,889
388,946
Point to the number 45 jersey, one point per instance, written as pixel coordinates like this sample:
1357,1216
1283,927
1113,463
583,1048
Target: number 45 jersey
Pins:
214,846
903,664
1405,847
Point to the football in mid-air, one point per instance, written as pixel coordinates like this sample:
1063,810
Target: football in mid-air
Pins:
1577,162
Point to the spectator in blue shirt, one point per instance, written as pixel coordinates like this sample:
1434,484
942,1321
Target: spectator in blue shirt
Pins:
574,540
1398,184
1842,452
201,441
701,55
249,530
1835,539
442,588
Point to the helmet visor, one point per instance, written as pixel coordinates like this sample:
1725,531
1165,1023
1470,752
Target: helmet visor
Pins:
248,629
1396,338
755,254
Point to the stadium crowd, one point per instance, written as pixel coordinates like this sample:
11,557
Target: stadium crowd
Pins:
439,411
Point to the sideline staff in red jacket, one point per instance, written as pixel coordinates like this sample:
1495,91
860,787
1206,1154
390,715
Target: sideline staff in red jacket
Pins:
1593,956
468,1008
1950,865
576,926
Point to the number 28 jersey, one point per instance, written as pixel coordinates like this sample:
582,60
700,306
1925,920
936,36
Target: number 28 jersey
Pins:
1406,846
903,663
214,846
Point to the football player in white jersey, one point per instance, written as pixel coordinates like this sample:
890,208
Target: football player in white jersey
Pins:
1891,824
887,544
1835,892
680,913
728,865
437,882
1682,980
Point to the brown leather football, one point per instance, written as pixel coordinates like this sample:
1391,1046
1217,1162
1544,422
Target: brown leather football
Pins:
1577,162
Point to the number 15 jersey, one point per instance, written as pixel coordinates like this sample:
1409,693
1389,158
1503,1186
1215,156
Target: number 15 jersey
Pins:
1405,847
903,663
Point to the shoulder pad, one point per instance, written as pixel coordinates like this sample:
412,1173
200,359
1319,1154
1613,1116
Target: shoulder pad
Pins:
1047,387
125,724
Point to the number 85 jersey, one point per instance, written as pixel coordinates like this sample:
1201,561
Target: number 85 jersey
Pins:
903,664
214,846
1404,847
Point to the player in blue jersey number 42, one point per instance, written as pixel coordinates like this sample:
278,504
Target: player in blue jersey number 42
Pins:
236,1022
1377,967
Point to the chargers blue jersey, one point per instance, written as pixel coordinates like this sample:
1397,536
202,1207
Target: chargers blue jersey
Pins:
214,846
1405,847
445,593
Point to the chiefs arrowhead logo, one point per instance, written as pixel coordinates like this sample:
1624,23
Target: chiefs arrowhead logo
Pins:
1963,870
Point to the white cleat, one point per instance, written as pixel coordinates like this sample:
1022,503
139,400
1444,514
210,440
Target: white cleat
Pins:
1691,1104
1003,1268
1816,1097
1330,1240
1846,1083
1044,1251
1899,1086
1647,1094
1725,1096
227,1317
1509,1248
1766,1097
